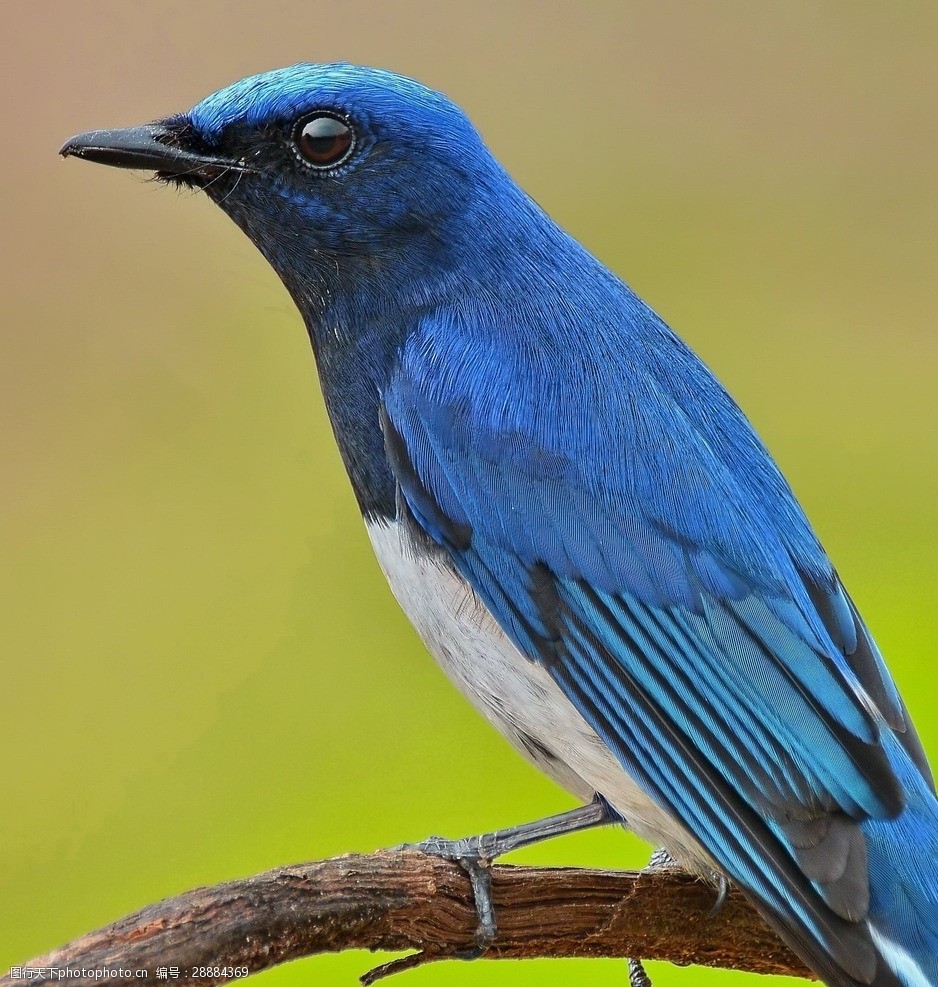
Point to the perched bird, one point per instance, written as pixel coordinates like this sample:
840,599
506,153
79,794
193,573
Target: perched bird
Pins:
577,518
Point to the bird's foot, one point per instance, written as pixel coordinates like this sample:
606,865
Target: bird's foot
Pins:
476,853
660,860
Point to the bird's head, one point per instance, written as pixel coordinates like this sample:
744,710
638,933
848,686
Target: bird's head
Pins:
340,174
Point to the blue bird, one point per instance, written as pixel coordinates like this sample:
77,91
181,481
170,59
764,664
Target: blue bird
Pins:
577,518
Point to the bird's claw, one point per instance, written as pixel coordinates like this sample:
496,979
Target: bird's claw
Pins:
469,847
723,887
480,876
476,853
471,855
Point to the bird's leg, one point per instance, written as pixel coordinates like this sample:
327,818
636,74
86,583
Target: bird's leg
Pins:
476,853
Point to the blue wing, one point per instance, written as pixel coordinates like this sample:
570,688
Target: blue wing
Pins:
638,541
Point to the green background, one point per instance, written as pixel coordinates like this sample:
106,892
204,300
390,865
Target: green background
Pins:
204,674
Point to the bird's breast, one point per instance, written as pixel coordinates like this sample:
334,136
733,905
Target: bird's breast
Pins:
514,693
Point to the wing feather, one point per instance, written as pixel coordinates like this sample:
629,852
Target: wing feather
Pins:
686,609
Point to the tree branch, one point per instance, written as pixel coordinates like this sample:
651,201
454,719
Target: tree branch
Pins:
403,900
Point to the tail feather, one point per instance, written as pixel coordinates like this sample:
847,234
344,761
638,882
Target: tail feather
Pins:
903,863
905,967
895,943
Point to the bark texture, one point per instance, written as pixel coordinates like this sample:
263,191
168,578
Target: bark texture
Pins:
398,900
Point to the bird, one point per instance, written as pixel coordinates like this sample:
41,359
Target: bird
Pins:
580,522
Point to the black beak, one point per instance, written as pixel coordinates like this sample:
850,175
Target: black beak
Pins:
152,147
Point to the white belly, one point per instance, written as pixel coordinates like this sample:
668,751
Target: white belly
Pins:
515,694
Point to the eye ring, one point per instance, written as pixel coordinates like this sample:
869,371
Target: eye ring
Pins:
324,140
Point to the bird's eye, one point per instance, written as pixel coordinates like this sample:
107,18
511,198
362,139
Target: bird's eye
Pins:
324,140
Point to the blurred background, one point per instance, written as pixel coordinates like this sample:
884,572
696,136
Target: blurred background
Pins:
203,671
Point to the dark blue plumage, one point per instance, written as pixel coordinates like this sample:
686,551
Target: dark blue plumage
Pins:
534,433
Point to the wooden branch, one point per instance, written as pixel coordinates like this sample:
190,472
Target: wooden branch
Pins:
403,900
